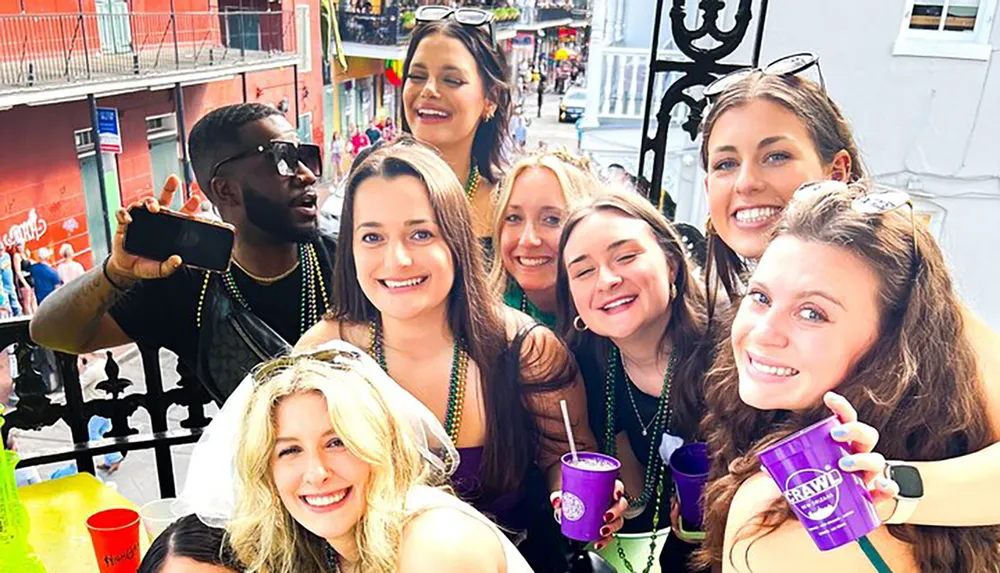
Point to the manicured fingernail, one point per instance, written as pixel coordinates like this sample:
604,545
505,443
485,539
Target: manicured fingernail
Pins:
840,432
884,483
608,517
598,546
605,532
846,463
555,503
618,495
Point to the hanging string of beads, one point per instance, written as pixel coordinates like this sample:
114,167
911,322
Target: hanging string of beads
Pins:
656,471
313,289
456,382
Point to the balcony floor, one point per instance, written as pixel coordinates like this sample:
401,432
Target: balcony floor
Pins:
55,78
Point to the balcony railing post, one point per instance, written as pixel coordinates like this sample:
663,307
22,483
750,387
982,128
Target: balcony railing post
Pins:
67,53
177,47
83,34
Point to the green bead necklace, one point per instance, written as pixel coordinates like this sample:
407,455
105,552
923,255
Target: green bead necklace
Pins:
312,284
472,185
653,486
456,385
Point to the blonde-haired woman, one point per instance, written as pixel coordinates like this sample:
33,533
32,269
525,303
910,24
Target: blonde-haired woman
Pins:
335,467
534,199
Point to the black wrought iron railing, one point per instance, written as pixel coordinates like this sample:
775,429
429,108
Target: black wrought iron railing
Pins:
47,49
550,14
698,67
372,29
37,408
393,28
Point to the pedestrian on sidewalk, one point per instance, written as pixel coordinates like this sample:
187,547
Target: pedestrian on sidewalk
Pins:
373,132
68,269
541,92
45,277
277,287
336,155
359,141
9,282
22,274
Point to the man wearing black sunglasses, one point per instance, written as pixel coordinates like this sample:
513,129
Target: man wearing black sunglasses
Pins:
249,163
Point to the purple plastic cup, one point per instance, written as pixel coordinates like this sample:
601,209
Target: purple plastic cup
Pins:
689,465
834,506
588,489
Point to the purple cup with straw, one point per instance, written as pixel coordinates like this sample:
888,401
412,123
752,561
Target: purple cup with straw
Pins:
588,489
834,506
689,465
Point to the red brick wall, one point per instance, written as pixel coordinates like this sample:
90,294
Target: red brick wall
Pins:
39,168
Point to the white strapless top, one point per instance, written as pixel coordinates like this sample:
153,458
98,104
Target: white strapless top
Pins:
423,498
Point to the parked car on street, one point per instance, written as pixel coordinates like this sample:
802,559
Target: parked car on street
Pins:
573,104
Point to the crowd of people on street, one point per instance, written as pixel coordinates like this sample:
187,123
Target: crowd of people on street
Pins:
29,277
401,397
343,150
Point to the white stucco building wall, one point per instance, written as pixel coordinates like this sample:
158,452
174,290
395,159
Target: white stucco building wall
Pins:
925,108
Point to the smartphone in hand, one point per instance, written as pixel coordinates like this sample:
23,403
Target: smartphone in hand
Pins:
200,244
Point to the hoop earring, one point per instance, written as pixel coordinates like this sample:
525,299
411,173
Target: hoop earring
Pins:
578,324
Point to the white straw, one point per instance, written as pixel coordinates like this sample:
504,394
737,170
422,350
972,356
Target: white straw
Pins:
569,430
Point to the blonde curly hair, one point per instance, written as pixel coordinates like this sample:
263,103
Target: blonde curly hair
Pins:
264,536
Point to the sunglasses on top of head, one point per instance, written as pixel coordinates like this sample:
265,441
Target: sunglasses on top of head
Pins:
472,17
286,156
790,65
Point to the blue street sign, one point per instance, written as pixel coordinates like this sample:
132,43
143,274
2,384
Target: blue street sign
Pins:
108,130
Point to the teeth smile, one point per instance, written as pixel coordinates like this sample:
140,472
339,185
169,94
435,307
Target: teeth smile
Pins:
617,303
406,283
324,500
433,112
534,262
773,370
757,214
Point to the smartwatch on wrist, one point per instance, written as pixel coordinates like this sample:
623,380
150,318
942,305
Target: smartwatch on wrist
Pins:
911,490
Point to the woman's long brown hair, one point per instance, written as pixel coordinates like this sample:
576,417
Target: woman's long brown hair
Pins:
830,133
512,435
688,323
918,385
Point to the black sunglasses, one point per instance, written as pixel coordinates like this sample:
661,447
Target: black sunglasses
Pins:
878,201
790,65
472,17
286,156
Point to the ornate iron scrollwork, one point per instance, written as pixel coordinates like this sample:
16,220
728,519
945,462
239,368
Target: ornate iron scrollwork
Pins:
704,66
37,407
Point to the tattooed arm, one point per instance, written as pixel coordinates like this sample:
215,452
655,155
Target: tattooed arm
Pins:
74,318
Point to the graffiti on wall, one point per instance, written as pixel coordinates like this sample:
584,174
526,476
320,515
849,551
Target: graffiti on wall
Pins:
31,229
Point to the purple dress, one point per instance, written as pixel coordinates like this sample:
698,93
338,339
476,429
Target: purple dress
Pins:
508,509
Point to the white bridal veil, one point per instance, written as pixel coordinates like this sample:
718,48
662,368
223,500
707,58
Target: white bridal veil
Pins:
210,489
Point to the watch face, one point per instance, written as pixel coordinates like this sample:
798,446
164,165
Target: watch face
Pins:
908,478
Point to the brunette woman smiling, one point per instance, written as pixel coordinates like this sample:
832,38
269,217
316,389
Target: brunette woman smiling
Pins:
456,98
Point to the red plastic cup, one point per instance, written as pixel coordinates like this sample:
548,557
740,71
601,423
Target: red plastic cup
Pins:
115,535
